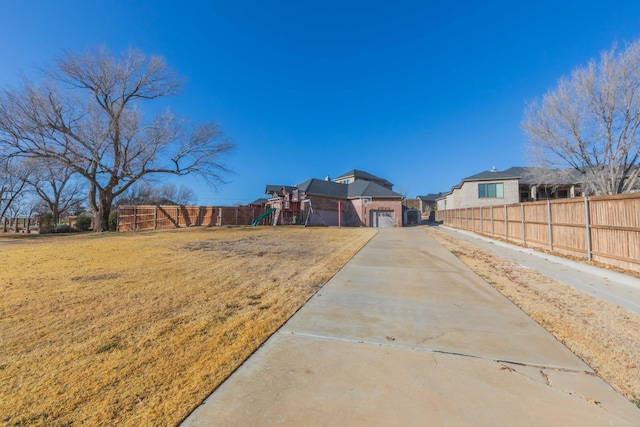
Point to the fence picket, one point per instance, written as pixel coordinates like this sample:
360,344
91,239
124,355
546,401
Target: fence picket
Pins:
599,228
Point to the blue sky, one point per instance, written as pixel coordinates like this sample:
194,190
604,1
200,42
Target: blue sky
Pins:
422,93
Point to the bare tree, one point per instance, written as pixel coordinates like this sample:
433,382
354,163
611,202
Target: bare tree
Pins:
86,114
179,195
143,193
56,187
12,184
591,122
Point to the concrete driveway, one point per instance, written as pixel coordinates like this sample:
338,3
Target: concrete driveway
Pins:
407,335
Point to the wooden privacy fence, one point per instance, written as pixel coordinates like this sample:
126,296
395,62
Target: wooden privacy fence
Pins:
131,218
601,228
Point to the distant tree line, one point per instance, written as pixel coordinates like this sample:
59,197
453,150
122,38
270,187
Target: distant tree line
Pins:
79,133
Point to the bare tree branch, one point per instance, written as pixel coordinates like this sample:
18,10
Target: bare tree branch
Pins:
86,115
590,122
13,180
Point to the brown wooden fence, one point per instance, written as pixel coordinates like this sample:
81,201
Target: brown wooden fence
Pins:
600,228
131,218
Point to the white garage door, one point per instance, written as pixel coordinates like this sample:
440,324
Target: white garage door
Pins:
382,218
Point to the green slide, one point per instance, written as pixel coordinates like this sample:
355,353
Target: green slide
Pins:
264,215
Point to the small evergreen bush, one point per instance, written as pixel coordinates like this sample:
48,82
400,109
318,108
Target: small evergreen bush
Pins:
63,228
113,221
46,224
83,223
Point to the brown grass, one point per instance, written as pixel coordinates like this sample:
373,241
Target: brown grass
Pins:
602,334
138,328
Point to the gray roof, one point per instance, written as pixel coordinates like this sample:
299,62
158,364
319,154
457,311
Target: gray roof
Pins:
530,175
361,188
260,201
277,189
493,174
431,197
542,176
319,187
358,174
354,190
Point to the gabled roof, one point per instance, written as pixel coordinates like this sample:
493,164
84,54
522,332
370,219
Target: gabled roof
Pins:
542,176
260,201
431,197
319,187
530,175
277,189
361,188
354,190
358,174
493,174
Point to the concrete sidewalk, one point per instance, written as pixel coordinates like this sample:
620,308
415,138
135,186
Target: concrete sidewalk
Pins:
608,285
407,335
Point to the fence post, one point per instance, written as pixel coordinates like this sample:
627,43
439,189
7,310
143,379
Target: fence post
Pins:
491,215
177,216
587,220
466,218
506,223
155,217
549,222
135,212
524,225
481,221
237,215
117,220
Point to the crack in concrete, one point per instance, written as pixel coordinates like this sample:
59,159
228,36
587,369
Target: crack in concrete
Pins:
546,377
437,351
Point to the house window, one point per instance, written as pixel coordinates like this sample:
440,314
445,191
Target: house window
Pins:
494,191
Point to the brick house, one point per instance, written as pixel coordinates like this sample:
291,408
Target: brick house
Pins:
359,199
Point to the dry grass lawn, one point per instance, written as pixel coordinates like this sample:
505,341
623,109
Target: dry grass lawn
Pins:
138,328
602,334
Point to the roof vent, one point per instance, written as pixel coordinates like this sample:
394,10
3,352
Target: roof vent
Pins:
494,169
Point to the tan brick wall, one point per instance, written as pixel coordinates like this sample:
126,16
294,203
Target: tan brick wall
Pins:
467,195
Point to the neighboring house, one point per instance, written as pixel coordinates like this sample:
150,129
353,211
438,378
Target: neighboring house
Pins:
425,205
428,202
362,202
259,203
514,185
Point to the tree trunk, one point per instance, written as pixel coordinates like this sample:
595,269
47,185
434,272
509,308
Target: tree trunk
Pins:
56,213
101,219
101,211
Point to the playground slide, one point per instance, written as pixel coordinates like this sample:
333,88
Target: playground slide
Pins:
264,215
